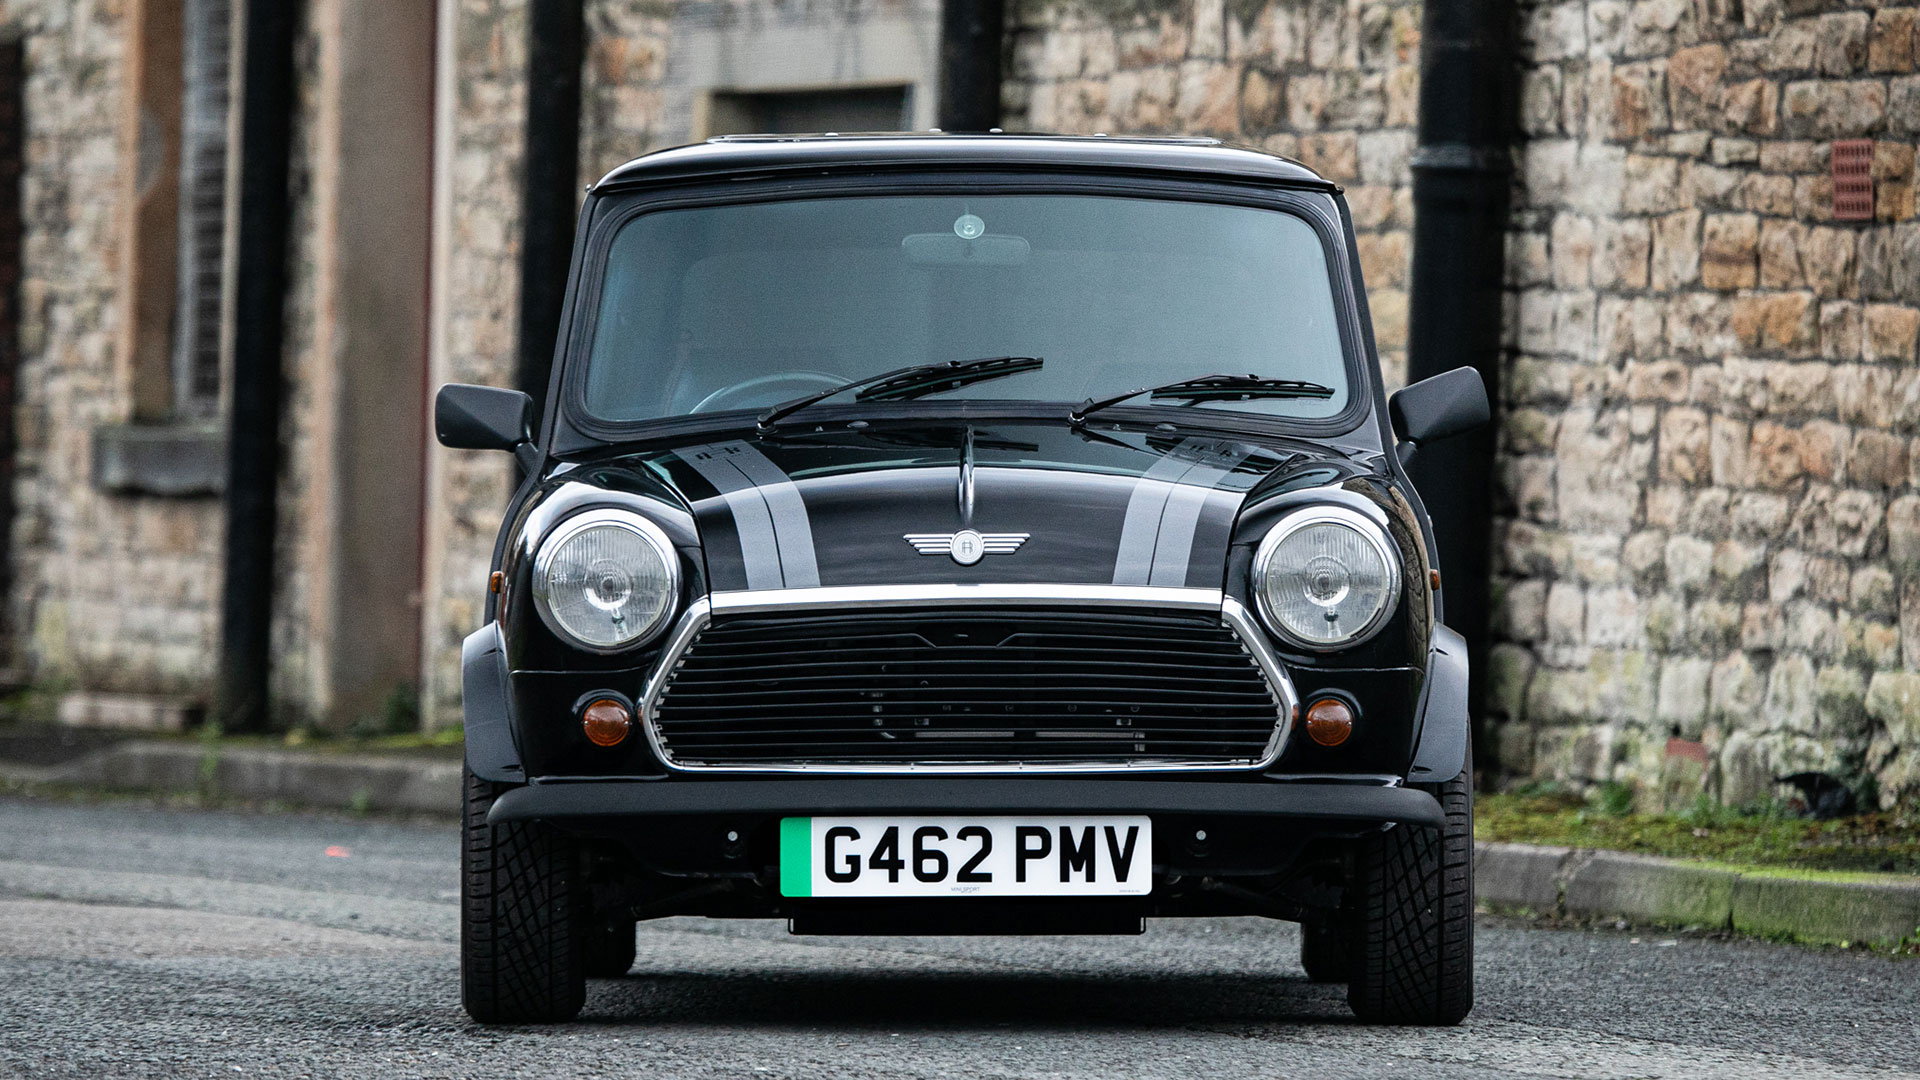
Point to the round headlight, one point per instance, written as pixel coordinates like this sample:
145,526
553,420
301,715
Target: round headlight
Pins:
1326,577
606,580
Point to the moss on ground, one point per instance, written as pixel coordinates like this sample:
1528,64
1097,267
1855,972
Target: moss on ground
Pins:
1768,837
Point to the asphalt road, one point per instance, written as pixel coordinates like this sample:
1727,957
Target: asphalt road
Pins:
143,942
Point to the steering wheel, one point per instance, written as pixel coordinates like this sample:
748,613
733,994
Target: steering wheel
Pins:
802,380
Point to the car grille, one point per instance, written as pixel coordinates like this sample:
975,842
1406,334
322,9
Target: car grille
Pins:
966,685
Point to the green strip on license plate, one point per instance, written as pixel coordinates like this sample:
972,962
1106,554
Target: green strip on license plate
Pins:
796,856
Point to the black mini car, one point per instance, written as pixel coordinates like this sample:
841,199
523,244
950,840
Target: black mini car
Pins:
965,535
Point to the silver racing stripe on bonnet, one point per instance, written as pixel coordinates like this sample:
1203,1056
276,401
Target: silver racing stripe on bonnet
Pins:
1156,539
776,537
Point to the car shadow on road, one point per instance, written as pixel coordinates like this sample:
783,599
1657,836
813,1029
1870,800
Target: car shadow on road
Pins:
951,1001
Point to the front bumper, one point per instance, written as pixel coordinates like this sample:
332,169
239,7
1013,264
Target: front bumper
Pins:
1320,802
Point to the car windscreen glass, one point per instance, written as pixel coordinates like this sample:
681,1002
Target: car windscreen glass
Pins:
742,306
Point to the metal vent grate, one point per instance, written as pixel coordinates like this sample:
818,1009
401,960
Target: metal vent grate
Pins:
1852,167
1041,686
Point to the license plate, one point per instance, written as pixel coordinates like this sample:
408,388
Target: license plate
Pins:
966,856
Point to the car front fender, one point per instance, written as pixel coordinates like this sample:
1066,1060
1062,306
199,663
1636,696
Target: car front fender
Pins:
487,702
1445,724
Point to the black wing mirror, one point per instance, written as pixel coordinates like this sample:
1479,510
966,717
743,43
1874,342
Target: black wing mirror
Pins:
1450,403
482,417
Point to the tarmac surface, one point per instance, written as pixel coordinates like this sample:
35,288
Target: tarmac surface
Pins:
145,942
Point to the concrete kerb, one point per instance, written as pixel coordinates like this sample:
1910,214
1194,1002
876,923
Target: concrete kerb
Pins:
360,782
1584,884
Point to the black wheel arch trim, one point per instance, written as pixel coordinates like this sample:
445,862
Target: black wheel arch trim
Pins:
487,706
1446,726
1318,801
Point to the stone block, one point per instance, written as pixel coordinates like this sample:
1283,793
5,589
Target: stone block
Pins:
1840,706
1676,250
1523,608
1509,669
1840,330
1685,448
1827,260
1566,613
1682,701
1521,876
1877,460
1837,522
1734,692
1775,454
1903,105
1890,41
1622,250
1903,535
1823,451
1880,912
1727,251
1893,698
1890,332
1833,110
1840,43
1784,322
1611,884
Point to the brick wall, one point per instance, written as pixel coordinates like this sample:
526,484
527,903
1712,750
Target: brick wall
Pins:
1709,527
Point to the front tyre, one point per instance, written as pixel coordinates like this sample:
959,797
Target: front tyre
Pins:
1411,917
520,917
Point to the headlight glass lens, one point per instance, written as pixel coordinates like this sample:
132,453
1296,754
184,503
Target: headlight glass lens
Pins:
606,579
1326,577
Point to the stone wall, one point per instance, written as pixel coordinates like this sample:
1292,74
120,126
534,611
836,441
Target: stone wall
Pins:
1332,83
111,592
1709,530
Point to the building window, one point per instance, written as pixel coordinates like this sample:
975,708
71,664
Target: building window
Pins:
205,112
174,251
839,108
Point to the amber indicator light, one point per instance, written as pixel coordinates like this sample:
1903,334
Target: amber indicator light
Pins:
1329,721
606,722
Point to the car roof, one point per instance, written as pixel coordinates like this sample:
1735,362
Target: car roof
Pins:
732,154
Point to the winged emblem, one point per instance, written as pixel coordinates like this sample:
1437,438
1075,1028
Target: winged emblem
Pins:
966,547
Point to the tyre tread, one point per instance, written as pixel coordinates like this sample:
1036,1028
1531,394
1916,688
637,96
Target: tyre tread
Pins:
520,948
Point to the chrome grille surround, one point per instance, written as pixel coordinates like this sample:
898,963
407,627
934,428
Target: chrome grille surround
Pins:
1232,614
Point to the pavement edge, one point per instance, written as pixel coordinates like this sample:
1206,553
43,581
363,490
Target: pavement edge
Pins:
1879,910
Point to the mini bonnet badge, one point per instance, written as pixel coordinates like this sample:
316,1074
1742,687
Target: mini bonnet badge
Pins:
966,547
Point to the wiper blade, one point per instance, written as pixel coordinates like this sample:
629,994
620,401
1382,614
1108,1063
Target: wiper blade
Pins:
1211,388
910,382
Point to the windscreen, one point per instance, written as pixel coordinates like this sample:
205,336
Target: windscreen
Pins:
743,306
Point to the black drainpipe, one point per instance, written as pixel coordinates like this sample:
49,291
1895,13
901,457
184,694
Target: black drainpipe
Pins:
1460,195
253,440
972,33
550,193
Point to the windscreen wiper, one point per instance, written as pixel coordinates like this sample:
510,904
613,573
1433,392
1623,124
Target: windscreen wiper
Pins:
1211,388
910,382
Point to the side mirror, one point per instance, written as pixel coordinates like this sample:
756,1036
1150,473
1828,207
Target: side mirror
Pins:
482,417
1450,403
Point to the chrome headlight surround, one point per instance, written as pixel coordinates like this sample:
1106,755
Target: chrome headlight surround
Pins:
1375,539
653,538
